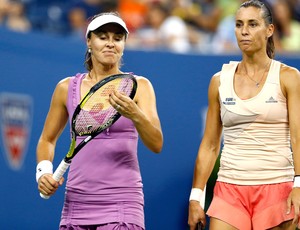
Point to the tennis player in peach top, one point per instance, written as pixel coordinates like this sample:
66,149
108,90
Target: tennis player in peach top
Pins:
255,102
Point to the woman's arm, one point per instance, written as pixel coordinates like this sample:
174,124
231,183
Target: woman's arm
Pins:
208,151
290,84
55,122
147,121
143,112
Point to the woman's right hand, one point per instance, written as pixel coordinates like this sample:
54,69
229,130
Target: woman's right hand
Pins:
47,185
196,215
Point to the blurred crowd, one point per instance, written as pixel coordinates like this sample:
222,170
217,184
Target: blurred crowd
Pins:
181,26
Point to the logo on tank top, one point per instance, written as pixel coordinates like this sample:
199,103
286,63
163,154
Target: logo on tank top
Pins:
271,100
15,122
229,101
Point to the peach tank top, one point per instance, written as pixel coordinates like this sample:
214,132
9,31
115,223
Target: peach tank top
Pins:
256,132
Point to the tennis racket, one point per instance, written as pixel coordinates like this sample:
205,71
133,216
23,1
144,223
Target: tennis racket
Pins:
95,114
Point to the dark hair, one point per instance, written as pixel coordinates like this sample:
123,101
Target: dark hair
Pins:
88,64
268,18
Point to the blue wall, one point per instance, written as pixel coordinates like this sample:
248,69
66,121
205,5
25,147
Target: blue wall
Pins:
32,64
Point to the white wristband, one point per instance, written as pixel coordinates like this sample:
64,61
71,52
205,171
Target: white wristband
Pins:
296,182
42,168
196,194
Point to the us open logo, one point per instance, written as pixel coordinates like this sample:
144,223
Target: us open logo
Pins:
15,122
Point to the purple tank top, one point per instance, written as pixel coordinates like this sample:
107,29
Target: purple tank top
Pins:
105,174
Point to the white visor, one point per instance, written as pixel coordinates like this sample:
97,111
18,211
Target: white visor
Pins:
105,19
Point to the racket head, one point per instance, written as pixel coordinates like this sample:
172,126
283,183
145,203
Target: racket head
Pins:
94,113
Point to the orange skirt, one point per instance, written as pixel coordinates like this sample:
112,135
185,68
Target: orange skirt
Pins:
251,207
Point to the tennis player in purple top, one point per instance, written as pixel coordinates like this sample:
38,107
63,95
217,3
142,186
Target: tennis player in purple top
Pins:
104,189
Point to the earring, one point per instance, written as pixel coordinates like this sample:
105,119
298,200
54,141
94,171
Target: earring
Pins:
89,50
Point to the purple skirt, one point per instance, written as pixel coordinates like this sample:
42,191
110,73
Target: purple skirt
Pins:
110,226
99,213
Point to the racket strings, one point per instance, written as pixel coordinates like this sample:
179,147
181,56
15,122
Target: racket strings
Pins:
96,113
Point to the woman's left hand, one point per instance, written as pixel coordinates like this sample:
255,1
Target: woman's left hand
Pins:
123,104
294,200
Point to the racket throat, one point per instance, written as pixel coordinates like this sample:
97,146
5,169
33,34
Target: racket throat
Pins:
87,139
81,144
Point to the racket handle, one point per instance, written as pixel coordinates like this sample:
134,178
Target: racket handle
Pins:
58,174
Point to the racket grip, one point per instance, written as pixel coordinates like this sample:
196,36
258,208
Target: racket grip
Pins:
58,174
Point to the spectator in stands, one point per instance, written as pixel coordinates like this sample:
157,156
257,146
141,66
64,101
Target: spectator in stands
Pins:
228,7
224,40
14,16
91,7
207,17
4,6
81,10
288,29
133,12
163,31
77,17
296,9
202,18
